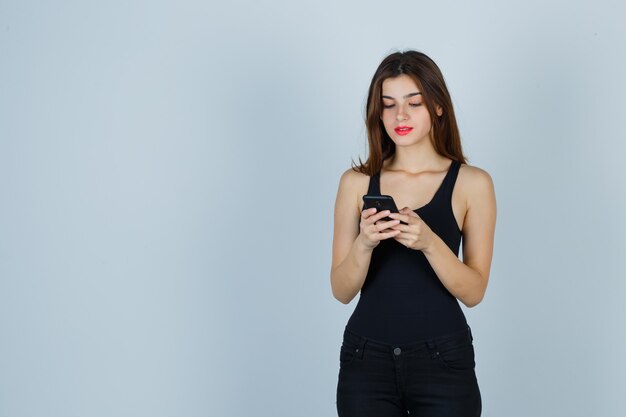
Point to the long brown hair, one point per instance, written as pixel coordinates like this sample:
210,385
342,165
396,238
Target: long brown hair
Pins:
429,79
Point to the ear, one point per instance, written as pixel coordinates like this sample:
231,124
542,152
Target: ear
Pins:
439,110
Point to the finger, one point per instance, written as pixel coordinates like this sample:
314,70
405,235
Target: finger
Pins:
387,235
402,235
368,212
408,212
378,216
413,214
400,216
382,214
405,237
402,227
382,225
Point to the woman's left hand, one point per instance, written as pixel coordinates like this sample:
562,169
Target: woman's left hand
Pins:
414,235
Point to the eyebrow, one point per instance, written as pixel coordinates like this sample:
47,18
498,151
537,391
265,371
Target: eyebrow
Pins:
407,96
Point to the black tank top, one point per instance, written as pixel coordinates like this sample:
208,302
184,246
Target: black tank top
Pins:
402,299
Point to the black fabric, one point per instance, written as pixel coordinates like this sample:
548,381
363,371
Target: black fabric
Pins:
402,299
432,378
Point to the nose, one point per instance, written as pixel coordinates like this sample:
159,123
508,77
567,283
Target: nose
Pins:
401,115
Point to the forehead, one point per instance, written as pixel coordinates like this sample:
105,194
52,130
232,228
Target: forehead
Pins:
398,87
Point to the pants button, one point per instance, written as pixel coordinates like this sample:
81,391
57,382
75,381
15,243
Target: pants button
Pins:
397,351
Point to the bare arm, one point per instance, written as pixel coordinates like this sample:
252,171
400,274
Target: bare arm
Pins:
467,280
354,238
348,277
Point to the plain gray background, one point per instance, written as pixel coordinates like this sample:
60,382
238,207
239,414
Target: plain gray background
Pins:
168,172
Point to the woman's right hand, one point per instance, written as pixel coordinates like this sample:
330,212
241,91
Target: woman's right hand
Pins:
371,231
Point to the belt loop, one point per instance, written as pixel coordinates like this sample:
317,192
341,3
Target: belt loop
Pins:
432,348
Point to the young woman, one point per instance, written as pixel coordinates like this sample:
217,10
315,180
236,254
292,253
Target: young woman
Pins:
407,348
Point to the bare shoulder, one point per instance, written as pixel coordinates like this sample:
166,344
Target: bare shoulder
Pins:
352,186
477,189
474,182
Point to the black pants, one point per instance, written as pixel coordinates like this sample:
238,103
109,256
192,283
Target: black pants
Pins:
432,378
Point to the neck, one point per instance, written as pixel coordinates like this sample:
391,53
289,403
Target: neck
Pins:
416,158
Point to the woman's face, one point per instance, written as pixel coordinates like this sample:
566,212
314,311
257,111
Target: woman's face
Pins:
403,106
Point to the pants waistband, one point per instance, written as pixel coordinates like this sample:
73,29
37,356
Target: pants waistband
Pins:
428,343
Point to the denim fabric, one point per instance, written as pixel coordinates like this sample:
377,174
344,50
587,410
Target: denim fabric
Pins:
430,378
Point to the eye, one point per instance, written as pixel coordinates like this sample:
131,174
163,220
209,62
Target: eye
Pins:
388,106
416,104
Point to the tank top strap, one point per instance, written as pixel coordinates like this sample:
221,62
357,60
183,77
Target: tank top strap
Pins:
374,186
450,179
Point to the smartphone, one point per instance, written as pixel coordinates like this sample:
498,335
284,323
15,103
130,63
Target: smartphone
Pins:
381,202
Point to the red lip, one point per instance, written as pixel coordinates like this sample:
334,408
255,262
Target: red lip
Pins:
403,130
